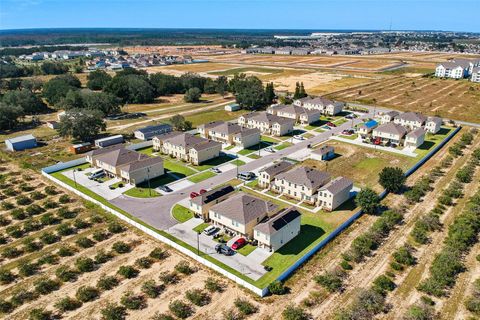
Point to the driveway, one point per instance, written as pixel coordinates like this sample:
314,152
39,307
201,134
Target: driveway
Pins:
250,266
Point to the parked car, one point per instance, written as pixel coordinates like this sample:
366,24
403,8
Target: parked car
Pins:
194,194
239,243
224,249
210,230
326,128
246,175
331,124
298,137
99,173
202,191
216,170
165,188
351,116
377,141
347,132
269,149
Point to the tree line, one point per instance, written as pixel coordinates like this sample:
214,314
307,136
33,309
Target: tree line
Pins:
45,68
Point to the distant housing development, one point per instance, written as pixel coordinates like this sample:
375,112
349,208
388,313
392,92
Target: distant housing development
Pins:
457,69
187,147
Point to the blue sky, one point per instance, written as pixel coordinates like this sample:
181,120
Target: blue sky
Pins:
454,15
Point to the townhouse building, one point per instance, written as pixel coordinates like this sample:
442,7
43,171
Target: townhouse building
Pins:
267,123
335,193
266,175
202,203
325,106
415,138
230,133
410,120
433,124
301,115
475,74
390,133
278,230
388,116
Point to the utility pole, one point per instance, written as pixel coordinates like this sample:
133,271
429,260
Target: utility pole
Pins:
148,180
74,178
198,243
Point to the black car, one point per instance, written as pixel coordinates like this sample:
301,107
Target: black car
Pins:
224,249
165,188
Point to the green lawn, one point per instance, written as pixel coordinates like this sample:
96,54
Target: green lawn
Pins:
316,124
431,140
351,137
201,227
181,214
253,184
138,192
178,168
246,250
283,146
117,184
213,162
148,151
269,139
238,162
254,156
261,145
340,122
201,176
229,147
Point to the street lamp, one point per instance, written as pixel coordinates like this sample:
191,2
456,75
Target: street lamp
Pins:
148,181
74,178
198,242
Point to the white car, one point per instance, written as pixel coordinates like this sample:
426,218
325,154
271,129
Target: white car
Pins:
269,149
210,230
216,170
298,137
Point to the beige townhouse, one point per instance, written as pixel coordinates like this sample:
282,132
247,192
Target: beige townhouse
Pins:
415,138
366,128
230,133
325,106
300,183
141,171
266,176
201,204
187,147
433,124
278,230
267,123
334,193
410,120
239,214
301,115
388,116
390,132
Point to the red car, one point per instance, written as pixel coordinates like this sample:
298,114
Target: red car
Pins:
202,191
377,141
239,243
331,124
194,194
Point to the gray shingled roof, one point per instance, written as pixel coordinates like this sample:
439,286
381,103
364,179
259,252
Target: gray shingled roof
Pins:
210,125
305,176
279,221
277,168
391,113
417,133
412,116
293,109
142,163
337,185
100,151
121,156
189,141
245,132
270,118
392,128
227,128
323,150
244,208
435,119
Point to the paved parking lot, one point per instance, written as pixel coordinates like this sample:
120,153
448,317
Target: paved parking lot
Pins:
250,266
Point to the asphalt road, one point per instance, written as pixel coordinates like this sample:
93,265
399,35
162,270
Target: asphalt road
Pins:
156,211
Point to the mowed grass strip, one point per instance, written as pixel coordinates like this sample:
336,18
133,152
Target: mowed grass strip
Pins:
181,214
246,249
201,176
138,192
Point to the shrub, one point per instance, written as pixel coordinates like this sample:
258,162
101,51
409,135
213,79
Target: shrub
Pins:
11,252
107,283
3,239
49,238
7,205
292,312
49,219
420,311
213,285
404,255
81,224
161,316
184,267
6,306
368,200
169,277
23,200
48,259
40,314
65,274
151,289
180,309
382,284
331,280
64,198
128,272
36,195
4,221
115,227
18,214
14,231
49,204
27,269
66,251
46,286
113,311
96,218
121,247
157,253
445,200
33,209
277,287
245,307
197,297
392,179
64,213
32,225
345,265
132,301
9,192
85,264
84,242
65,229
51,190
6,276
86,294
102,257
396,266
100,235
144,262
67,304
22,296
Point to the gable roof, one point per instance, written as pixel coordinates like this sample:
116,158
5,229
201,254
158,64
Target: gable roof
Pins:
190,141
391,128
212,195
210,125
412,116
121,156
26,137
305,176
141,164
435,119
270,118
280,220
244,208
293,109
277,168
417,133
391,113
323,150
337,185
100,151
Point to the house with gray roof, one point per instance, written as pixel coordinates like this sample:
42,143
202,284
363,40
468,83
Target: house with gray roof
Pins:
149,132
410,120
266,175
390,133
202,203
324,105
300,183
475,74
456,69
230,133
301,115
334,193
277,231
324,153
433,124
415,138
267,123
388,116
239,214
187,147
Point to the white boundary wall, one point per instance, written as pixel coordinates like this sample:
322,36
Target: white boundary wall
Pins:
60,166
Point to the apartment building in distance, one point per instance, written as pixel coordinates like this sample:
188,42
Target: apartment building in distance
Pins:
267,123
230,133
456,69
301,115
325,106
187,147
130,166
475,75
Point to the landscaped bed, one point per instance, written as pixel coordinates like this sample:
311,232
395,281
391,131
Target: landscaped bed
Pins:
181,214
